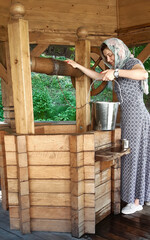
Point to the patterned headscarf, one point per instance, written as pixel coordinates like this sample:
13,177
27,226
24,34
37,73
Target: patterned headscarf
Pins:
120,51
122,55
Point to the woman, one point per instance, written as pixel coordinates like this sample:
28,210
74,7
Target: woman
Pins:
135,119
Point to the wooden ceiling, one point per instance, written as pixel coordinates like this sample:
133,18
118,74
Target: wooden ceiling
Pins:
56,21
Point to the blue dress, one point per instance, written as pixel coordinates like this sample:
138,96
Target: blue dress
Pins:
135,126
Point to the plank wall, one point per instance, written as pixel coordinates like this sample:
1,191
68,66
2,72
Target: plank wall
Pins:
54,183
133,13
60,17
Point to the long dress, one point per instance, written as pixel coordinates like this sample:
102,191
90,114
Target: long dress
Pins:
135,126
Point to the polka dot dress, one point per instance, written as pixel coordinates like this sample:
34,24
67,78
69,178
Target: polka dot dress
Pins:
135,126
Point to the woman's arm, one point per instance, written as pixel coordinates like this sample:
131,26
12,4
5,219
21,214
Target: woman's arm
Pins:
108,76
136,73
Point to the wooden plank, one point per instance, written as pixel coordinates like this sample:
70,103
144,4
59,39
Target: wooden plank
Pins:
89,158
77,174
53,143
11,158
102,189
13,185
102,138
49,172
10,143
76,143
59,129
50,186
89,186
77,189
102,177
13,199
89,142
77,159
53,213
50,225
14,212
49,158
102,213
12,172
77,203
21,76
102,201
50,199
128,18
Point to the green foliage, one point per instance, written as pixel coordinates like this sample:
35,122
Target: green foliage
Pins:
53,98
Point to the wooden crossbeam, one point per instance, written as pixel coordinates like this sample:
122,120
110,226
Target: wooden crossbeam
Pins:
3,73
38,50
144,55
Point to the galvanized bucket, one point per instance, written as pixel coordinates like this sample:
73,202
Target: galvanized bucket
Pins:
104,115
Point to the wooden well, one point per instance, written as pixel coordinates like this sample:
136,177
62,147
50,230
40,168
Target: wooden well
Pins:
60,177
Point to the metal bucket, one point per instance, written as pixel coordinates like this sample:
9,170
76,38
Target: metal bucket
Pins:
104,115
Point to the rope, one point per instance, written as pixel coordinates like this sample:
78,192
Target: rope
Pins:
87,102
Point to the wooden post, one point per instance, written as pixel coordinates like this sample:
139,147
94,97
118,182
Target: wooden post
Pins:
77,185
23,185
4,186
82,56
115,186
6,84
20,70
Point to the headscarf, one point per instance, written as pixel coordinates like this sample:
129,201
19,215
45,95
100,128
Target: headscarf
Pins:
122,55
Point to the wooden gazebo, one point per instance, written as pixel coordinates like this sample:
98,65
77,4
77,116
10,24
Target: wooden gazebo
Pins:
51,177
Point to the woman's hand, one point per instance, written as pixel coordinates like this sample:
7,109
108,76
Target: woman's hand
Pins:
108,75
72,63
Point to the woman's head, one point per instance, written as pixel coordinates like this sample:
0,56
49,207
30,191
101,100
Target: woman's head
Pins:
114,53
108,55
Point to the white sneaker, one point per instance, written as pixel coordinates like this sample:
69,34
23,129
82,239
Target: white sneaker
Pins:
147,203
131,208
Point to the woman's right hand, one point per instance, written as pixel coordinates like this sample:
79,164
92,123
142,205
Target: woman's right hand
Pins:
72,63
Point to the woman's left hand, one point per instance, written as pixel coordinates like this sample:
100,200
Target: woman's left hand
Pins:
108,75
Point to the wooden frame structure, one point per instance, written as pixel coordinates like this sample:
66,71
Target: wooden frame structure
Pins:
52,169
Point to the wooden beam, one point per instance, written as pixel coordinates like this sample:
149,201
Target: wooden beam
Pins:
82,56
21,75
38,50
3,73
135,36
144,55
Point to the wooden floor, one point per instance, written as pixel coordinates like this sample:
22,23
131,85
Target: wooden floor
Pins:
134,226
119,227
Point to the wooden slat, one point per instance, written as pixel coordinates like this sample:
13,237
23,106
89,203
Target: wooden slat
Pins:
49,172
52,213
58,129
50,186
48,143
128,17
102,189
102,201
51,225
49,158
50,199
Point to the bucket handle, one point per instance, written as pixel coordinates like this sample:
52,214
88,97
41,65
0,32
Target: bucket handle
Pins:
99,80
